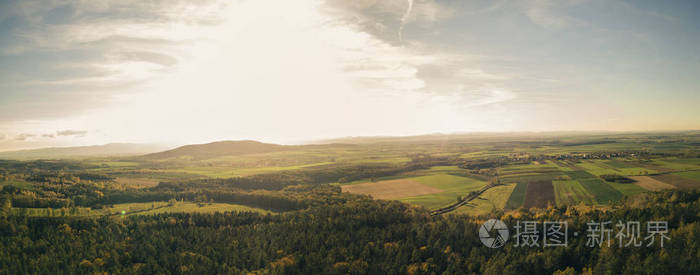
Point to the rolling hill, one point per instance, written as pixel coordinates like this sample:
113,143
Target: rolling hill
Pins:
217,149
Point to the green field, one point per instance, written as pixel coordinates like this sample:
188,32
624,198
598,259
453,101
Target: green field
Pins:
571,192
678,164
492,199
517,196
453,186
627,189
601,191
693,175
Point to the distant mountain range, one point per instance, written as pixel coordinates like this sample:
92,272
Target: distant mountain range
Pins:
106,150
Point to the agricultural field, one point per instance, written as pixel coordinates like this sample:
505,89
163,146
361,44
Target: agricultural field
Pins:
601,191
431,188
571,192
228,172
679,180
391,189
651,184
607,168
452,186
493,199
539,194
517,196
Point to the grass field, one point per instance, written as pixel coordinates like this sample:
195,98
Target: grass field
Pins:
494,198
692,175
391,189
431,188
452,186
571,192
580,174
627,189
678,164
598,167
517,197
601,191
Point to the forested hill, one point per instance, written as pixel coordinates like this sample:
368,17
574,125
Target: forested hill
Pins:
217,149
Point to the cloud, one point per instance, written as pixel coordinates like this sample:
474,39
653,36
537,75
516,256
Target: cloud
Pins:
484,98
387,18
48,135
151,57
71,133
23,136
550,14
2,136
85,54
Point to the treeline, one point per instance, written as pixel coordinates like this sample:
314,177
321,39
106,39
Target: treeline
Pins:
358,236
616,178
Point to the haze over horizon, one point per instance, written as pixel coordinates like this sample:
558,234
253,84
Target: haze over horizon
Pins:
183,72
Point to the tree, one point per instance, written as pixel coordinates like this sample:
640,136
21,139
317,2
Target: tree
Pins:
6,206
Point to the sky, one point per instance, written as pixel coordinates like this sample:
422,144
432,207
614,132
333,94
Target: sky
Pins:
178,72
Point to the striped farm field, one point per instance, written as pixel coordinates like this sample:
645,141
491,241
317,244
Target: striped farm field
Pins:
571,192
602,192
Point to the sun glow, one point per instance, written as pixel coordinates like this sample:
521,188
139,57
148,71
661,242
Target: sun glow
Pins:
280,77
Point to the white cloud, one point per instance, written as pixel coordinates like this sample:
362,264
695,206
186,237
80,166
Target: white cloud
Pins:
549,14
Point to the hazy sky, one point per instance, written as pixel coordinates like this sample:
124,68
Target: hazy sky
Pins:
93,71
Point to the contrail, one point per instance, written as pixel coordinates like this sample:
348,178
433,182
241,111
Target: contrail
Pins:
404,18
